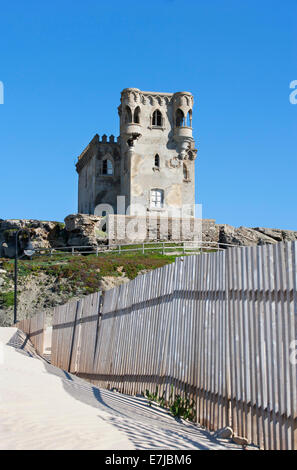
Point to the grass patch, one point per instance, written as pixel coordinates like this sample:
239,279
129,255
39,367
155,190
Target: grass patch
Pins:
7,298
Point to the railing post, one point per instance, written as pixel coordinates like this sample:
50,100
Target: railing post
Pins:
183,247
143,248
163,248
96,250
72,251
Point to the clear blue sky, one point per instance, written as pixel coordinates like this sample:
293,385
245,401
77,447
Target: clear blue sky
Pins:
63,64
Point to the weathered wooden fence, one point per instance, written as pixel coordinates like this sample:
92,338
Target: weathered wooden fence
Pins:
75,333
219,327
34,328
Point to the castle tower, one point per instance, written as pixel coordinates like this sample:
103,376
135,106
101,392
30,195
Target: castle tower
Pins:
152,162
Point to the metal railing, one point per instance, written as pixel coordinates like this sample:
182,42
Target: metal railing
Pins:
164,247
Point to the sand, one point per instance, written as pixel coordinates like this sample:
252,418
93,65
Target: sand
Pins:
43,407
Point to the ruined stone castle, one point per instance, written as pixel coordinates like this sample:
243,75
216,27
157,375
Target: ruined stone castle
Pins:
151,163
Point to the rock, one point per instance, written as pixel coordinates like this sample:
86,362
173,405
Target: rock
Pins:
277,234
224,433
109,282
43,234
242,441
243,236
210,230
83,229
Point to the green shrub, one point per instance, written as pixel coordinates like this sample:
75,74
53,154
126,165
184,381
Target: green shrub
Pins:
180,407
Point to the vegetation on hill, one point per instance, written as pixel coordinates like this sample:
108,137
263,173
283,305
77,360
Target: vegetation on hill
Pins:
46,281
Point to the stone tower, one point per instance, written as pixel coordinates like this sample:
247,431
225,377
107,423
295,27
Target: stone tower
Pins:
152,161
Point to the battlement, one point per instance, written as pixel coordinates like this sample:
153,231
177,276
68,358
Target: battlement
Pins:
134,95
111,140
88,152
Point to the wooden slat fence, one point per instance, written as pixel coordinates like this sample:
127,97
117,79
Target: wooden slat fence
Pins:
74,334
262,314
34,328
218,328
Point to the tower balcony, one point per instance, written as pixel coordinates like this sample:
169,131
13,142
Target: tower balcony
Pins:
181,133
131,128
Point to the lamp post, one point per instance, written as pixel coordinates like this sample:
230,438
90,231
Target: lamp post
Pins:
29,251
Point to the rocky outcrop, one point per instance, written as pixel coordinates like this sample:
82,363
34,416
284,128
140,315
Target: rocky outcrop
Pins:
242,236
78,230
245,236
84,230
277,234
87,230
42,233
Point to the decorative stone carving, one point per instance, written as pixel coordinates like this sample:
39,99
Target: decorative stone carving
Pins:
155,99
174,163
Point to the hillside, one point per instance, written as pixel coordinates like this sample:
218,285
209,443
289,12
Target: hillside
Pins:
48,281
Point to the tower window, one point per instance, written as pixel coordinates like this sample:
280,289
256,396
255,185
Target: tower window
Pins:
107,168
128,115
157,198
157,118
157,161
180,118
137,115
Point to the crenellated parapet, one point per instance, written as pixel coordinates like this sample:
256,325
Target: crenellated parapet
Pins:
134,97
94,147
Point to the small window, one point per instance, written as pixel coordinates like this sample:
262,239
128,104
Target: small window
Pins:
137,115
107,168
157,198
157,161
180,118
128,115
157,118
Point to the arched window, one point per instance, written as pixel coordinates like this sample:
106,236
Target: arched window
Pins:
157,118
180,118
128,115
137,115
157,198
107,168
157,161
189,119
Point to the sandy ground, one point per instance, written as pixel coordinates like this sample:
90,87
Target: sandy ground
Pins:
43,407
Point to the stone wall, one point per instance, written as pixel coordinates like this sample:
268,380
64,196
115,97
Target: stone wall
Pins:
126,229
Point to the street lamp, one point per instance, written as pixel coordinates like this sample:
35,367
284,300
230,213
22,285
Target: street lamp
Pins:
29,251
